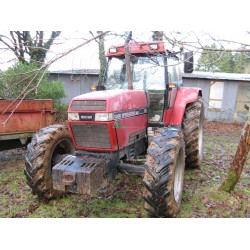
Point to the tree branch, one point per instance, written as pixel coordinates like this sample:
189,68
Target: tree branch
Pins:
10,47
75,48
45,68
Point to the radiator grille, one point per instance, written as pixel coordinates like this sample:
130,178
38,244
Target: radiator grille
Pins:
91,135
88,105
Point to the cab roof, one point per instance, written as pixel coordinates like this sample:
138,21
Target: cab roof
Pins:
137,48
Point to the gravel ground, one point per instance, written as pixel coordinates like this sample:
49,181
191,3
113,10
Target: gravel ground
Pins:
12,155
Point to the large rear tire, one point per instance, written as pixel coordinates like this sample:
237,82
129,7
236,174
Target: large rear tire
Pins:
193,133
45,151
164,178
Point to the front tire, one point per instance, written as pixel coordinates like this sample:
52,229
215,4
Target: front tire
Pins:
193,133
45,150
164,178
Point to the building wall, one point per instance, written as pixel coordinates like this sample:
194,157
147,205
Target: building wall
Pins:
228,111
74,84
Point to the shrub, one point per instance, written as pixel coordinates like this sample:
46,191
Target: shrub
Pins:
17,82
61,112
21,80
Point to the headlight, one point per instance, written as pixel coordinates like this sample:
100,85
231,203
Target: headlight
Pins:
112,50
153,46
103,117
73,117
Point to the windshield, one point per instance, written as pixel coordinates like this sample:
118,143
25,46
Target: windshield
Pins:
147,73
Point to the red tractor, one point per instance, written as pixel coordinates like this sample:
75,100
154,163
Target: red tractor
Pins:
140,120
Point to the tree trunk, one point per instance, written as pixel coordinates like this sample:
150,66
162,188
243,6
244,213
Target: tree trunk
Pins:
239,159
102,58
23,44
157,35
39,49
127,60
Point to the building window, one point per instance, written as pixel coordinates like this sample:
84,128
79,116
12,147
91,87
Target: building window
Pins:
243,97
216,95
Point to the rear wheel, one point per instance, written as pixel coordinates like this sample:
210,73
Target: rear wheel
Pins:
193,133
45,150
163,180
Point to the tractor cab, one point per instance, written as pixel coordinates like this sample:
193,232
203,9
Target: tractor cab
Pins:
153,69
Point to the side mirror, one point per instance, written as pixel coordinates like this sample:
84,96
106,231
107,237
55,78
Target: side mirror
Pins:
188,62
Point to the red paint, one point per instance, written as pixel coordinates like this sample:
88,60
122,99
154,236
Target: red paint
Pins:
112,134
129,126
167,116
137,48
184,96
117,100
126,100
29,116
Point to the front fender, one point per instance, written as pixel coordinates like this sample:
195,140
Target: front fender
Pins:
184,96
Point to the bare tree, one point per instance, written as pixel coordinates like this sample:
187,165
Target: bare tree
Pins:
158,35
127,59
102,58
28,48
237,165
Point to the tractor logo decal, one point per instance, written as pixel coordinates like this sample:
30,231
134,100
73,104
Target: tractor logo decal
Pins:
130,113
117,124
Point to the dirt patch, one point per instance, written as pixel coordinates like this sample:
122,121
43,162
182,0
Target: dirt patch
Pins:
221,127
8,166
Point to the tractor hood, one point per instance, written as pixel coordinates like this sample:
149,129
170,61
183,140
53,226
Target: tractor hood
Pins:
109,101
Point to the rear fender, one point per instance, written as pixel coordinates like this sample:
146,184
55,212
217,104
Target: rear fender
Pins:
184,96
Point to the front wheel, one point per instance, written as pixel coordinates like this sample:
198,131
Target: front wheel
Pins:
193,133
45,150
164,178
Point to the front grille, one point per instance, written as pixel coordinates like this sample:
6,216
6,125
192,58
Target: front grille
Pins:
91,135
88,105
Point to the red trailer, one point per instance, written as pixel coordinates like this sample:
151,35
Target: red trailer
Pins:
19,120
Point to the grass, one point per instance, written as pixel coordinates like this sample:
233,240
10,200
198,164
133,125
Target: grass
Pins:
201,197
123,197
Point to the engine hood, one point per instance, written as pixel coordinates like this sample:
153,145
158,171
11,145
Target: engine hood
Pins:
114,100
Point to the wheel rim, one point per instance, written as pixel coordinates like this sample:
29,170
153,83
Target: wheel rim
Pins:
179,176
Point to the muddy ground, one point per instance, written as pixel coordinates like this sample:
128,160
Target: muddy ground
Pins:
123,197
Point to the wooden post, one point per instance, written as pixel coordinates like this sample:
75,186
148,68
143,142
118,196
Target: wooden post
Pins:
239,159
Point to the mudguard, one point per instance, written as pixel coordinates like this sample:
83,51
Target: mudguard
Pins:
184,96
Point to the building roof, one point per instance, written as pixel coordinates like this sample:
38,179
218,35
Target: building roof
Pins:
218,76
76,72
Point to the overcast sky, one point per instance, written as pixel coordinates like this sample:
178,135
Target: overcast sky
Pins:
87,56
75,19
